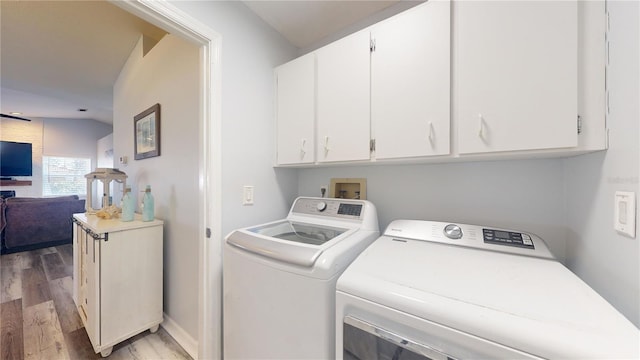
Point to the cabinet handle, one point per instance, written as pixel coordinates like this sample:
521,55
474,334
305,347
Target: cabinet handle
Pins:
431,132
480,126
326,146
303,152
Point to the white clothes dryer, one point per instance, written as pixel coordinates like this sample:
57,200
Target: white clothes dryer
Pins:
446,291
279,279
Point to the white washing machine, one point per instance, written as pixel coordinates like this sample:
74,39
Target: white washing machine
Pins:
445,291
279,279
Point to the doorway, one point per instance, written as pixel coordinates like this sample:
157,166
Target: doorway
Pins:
176,22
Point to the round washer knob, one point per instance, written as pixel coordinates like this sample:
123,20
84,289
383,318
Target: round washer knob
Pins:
453,231
322,206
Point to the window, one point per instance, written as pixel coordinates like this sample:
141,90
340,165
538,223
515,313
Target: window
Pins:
64,175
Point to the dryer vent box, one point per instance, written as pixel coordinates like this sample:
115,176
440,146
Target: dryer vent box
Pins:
343,188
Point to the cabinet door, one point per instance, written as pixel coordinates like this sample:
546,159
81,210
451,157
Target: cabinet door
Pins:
82,272
515,75
91,307
77,231
295,117
410,83
131,282
343,99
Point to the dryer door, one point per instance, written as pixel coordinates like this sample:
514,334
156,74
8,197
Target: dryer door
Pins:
366,341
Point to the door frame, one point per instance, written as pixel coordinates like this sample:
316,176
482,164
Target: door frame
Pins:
175,21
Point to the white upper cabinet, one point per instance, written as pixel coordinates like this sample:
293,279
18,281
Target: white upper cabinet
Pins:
515,75
343,110
410,83
295,92
452,80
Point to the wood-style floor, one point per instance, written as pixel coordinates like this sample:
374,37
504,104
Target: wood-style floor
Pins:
39,320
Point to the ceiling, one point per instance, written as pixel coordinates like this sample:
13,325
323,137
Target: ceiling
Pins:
304,23
61,56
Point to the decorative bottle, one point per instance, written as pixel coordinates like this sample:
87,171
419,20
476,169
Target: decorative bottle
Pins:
147,205
128,205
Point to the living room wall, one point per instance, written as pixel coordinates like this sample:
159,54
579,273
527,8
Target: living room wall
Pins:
52,137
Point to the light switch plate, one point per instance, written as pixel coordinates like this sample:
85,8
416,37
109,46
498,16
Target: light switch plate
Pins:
624,220
247,195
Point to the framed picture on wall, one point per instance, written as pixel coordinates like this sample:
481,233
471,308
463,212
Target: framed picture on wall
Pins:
146,128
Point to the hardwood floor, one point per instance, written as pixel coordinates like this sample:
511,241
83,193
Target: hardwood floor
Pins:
38,319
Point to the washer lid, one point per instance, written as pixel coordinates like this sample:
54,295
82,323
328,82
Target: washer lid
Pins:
531,304
299,232
287,241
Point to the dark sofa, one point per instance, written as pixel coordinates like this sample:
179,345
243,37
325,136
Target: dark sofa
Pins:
31,223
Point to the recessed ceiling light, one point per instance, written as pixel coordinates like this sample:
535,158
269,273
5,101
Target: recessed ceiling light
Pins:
82,110
15,113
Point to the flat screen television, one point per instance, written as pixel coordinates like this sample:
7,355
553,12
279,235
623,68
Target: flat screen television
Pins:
15,159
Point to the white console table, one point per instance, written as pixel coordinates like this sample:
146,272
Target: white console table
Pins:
117,278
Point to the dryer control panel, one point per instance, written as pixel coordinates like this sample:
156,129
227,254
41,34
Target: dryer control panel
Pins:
352,213
473,236
337,208
509,238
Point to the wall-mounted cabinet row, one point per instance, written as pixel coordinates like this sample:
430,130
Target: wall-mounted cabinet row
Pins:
450,80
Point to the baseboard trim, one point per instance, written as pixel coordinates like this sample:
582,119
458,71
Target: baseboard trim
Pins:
189,344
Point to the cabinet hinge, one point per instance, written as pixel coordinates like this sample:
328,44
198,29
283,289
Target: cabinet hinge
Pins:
579,124
208,233
372,145
372,45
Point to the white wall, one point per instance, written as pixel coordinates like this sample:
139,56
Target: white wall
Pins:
606,260
105,152
524,195
53,137
250,50
168,75
73,137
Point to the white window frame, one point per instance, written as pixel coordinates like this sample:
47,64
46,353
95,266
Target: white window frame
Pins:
79,179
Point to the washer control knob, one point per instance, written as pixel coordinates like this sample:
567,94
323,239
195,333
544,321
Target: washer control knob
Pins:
322,206
453,231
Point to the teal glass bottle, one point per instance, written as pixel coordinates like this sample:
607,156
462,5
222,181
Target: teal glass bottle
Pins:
128,205
147,205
